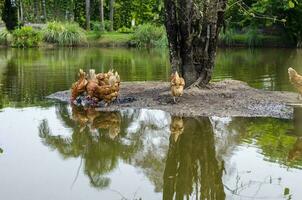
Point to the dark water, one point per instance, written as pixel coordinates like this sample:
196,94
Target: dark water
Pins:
55,151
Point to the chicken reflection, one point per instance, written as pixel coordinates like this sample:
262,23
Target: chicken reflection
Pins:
95,138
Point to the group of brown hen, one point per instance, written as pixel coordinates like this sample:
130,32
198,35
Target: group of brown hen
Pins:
101,86
106,86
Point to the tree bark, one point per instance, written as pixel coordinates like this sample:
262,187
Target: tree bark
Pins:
111,14
44,10
192,28
36,8
102,14
87,2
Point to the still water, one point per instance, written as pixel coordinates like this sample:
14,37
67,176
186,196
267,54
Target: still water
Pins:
51,151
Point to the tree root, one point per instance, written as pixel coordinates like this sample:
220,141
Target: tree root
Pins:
199,84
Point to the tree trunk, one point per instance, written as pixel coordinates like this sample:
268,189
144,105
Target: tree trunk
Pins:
111,7
36,8
21,12
87,14
102,14
44,10
192,28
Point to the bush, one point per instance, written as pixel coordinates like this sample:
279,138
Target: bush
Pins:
5,37
227,37
26,37
253,38
64,34
96,26
107,25
125,30
148,35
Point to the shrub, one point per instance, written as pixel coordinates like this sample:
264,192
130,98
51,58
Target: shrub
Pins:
64,34
253,38
125,30
5,37
148,35
227,37
107,25
26,37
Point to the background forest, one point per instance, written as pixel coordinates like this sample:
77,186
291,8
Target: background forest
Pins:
247,22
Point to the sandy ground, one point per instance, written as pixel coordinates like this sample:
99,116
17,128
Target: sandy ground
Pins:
227,98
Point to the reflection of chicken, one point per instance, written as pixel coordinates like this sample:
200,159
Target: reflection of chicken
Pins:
110,121
176,127
79,86
295,79
177,85
93,119
296,152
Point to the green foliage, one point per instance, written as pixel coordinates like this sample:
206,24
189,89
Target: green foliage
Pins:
227,37
79,13
125,30
9,14
273,17
253,38
26,37
148,35
64,34
1,151
5,37
107,25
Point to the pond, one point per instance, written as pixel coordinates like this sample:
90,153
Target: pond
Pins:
51,150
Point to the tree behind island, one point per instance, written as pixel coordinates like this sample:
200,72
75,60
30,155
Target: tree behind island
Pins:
192,28
10,14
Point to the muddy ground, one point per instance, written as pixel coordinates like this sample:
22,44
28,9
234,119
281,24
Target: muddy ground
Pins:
225,98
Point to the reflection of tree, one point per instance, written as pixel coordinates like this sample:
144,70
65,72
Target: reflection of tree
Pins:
277,139
99,151
191,165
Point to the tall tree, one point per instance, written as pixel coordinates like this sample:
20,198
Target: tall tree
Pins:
10,14
36,9
87,14
79,12
193,27
44,10
102,14
111,14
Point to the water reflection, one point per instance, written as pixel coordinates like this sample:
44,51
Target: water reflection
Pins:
94,138
182,157
191,167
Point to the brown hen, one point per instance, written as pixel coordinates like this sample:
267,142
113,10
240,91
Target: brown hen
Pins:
177,85
295,79
79,86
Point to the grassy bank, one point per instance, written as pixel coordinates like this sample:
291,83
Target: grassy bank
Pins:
252,39
115,39
109,39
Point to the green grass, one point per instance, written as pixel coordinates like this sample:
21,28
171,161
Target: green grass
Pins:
266,40
109,38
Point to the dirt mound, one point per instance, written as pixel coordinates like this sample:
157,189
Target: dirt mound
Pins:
225,98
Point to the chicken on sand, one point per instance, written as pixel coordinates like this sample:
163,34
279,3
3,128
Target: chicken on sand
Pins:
177,86
295,79
102,86
80,86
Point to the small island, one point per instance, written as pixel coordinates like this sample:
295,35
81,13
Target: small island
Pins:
225,98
